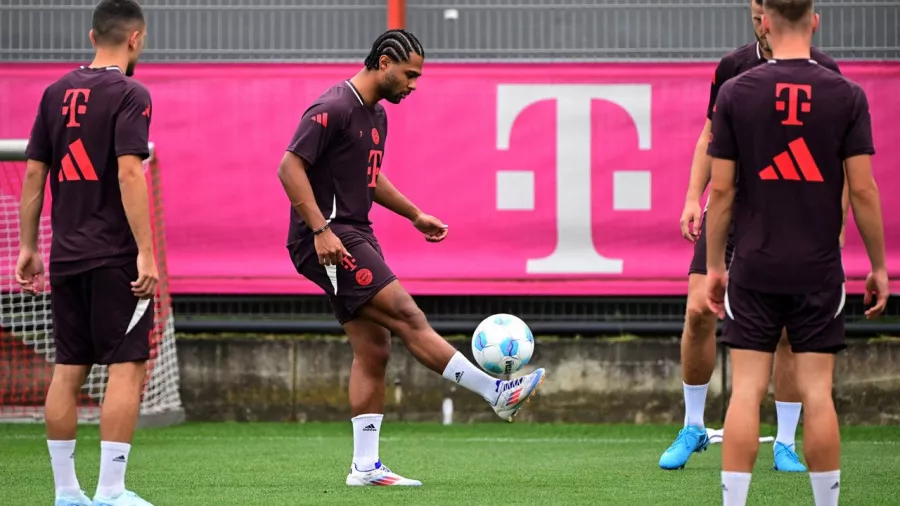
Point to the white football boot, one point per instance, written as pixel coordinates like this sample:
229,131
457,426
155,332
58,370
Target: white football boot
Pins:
126,498
515,393
381,476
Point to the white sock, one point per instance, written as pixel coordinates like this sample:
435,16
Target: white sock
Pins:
735,487
113,462
469,376
62,460
366,431
788,417
826,487
694,404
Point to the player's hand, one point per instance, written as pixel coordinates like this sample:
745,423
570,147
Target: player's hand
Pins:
30,271
330,249
148,276
716,284
877,287
691,218
434,229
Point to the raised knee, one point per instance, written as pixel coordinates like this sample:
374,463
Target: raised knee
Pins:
409,314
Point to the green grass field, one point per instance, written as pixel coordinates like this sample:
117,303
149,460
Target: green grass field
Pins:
250,464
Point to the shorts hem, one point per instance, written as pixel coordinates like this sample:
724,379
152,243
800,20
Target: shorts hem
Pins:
749,347
82,363
354,310
142,358
827,350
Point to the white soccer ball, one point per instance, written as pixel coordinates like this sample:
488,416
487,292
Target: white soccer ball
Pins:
502,344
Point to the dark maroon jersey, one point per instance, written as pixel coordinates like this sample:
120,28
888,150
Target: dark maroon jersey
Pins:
789,125
342,142
745,58
85,121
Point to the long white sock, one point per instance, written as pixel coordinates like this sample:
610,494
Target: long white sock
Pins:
62,460
735,487
366,431
788,417
826,487
694,404
113,462
469,376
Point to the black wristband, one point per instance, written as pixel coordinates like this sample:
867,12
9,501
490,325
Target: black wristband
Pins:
319,231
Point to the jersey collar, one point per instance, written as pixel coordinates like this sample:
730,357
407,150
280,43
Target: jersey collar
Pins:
355,93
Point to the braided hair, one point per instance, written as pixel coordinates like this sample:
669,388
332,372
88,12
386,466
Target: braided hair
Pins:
396,45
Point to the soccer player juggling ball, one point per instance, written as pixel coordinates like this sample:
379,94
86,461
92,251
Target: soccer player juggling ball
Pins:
332,175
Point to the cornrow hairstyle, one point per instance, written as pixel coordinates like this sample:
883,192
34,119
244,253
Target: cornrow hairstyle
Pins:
395,44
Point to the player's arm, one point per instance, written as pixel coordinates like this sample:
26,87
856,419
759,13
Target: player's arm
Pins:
724,154
32,203
866,202
701,162
388,196
132,144
40,155
857,149
292,173
311,139
700,166
718,214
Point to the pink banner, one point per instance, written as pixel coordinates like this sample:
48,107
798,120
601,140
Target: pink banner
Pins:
563,179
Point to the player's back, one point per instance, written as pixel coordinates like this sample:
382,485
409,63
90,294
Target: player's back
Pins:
794,122
86,120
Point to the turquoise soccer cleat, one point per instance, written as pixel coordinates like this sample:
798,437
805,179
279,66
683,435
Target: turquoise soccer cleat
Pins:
126,498
79,499
786,459
690,440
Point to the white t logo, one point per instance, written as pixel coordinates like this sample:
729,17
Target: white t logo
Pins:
574,252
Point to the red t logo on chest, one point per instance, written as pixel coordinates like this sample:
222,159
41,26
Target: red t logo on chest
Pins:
375,157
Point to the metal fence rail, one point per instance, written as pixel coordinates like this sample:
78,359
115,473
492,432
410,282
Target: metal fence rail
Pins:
459,30
634,29
564,316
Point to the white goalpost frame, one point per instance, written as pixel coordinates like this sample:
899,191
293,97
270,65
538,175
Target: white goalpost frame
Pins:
28,319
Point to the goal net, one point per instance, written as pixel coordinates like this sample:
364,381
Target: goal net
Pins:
26,327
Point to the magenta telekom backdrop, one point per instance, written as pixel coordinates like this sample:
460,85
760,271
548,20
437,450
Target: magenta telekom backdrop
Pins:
555,179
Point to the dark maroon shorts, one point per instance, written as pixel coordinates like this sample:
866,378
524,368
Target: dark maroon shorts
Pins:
98,320
698,262
353,283
814,321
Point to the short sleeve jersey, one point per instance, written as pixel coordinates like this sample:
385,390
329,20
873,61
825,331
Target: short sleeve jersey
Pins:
85,121
341,141
789,125
745,58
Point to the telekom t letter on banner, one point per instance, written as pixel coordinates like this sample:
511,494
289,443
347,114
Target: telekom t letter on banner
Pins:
574,252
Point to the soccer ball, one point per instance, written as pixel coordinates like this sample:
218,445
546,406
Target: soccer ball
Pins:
502,344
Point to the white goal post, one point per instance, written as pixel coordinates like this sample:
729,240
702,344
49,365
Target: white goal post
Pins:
26,333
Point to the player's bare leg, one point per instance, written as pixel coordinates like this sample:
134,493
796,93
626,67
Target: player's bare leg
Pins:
395,309
371,345
821,436
698,359
750,374
118,418
61,415
787,408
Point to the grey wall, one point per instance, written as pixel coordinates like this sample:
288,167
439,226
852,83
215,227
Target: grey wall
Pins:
334,30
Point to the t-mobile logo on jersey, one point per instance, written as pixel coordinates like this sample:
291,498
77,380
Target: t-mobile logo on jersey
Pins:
793,101
71,106
575,251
